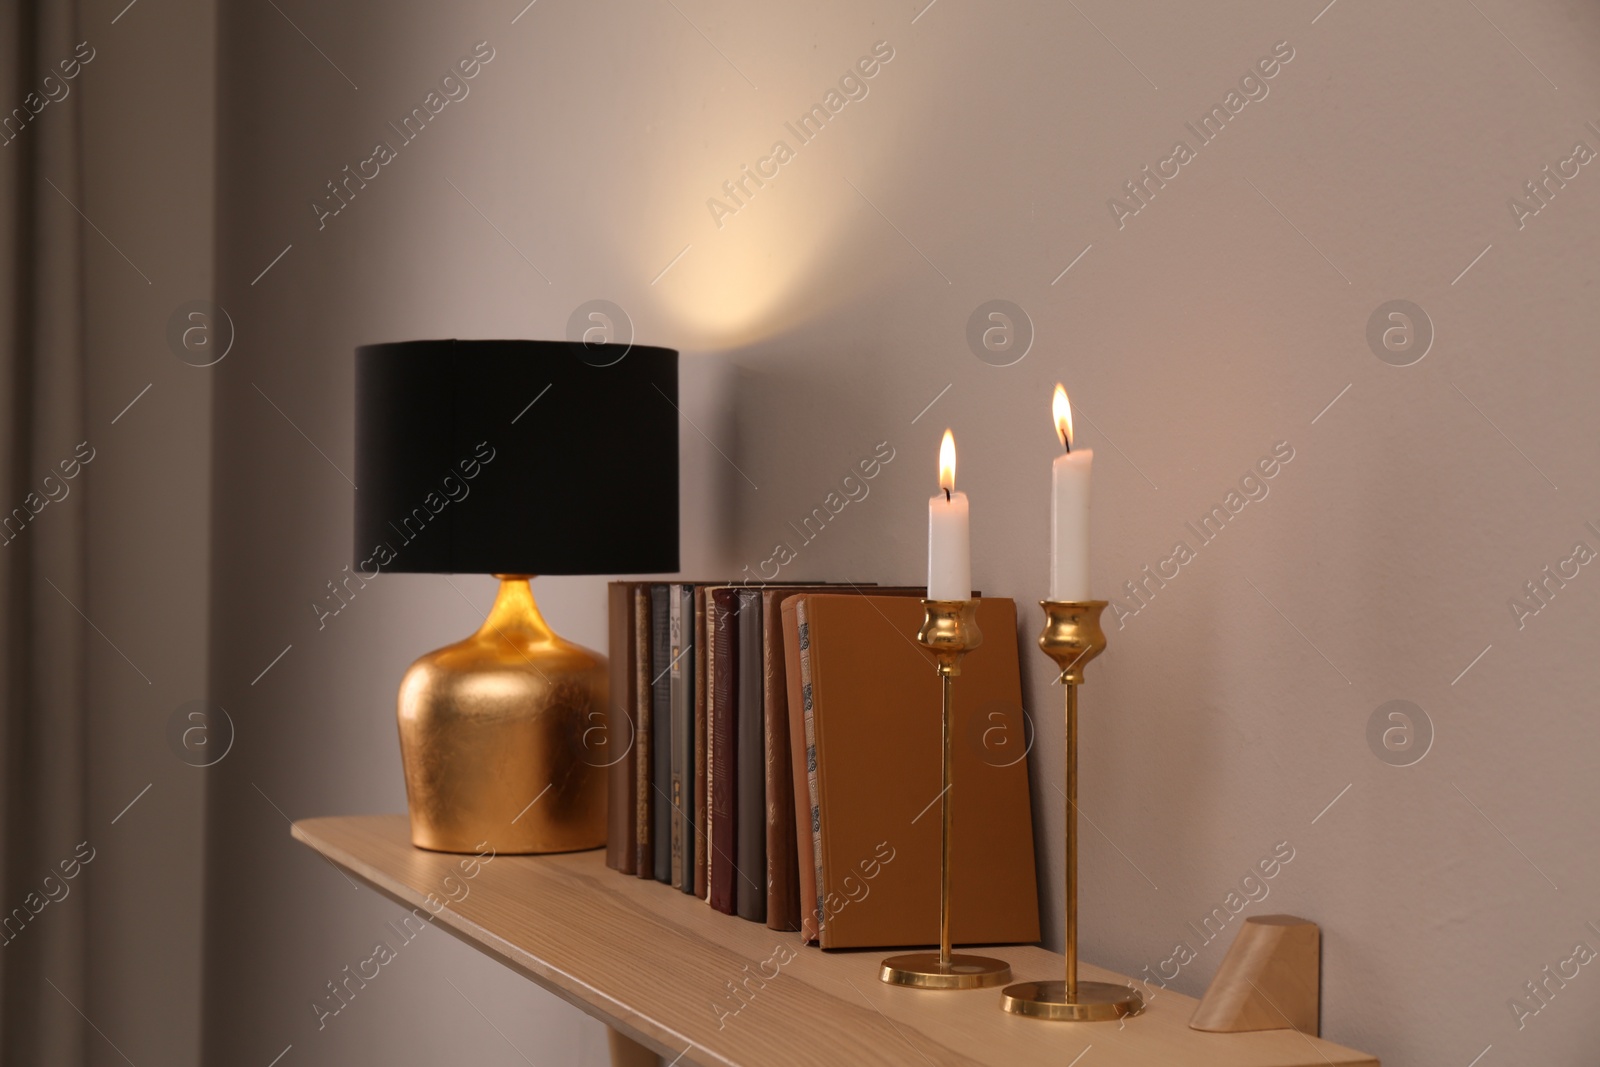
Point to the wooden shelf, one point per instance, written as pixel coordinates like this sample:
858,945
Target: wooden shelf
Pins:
654,963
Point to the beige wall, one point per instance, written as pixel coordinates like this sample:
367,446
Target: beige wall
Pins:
825,313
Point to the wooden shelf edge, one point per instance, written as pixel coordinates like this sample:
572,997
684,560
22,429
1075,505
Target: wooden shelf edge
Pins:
637,1026
659,954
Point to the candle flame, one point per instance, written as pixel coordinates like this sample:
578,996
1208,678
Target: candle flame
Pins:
1062,410
947,463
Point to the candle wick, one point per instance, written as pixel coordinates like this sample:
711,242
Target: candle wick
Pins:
946,493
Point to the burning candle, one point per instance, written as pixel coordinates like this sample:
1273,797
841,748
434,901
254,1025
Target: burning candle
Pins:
1069,510
949,543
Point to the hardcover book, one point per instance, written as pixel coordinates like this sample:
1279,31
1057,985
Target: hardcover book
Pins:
643,746
695,853
722,725
713,763
679,725
868,698
749,765
661,732
620,727
782,776
681,676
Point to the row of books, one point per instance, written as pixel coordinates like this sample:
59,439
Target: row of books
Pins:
781,746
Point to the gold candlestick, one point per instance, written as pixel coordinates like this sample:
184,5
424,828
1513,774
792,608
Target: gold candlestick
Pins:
1072,637
950,631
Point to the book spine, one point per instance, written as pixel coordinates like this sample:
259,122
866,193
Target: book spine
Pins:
620,728
697,852
680,729
783,888
661,731
808,709
749,762
644,853
803,884
722,726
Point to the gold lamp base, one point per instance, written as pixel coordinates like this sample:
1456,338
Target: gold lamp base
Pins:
503,737
922,970
1096,1002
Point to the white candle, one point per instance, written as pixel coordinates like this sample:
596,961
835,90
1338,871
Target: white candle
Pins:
949,543
1069,511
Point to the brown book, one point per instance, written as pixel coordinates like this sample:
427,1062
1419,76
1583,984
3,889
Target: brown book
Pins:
621,730
673,795
722,726
663,740
644,806
688,798
699,853
681,677
870,698
781,774
750,807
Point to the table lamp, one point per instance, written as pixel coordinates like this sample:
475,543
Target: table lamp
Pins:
513,458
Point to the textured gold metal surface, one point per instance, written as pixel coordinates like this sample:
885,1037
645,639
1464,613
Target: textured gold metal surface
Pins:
923,970
503,737
1072,635
1097,1002
949,631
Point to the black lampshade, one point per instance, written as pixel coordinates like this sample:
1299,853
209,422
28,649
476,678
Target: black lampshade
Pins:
516,457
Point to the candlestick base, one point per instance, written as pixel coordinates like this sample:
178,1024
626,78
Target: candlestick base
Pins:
1096,1002
922,970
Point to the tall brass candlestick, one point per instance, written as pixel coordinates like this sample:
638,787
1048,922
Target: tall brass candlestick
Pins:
1072,637
949,631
